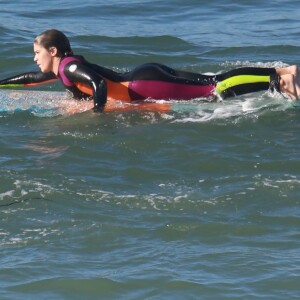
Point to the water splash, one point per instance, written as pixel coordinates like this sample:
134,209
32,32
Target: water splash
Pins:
52,104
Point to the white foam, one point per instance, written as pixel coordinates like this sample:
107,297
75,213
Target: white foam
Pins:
238,63
235,107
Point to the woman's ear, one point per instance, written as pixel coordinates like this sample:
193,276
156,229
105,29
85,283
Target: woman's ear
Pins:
53,51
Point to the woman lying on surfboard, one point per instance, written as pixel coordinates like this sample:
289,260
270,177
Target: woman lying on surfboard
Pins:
54,56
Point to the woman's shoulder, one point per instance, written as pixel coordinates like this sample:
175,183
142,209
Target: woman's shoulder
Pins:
72,58
68,61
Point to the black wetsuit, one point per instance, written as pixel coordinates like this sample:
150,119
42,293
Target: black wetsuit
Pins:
152,80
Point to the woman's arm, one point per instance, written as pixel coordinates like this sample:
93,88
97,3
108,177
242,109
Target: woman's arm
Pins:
28,79
79,73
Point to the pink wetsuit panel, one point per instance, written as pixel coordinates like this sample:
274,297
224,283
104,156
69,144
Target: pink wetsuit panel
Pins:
143,89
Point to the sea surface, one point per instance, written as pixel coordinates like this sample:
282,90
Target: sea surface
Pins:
202,202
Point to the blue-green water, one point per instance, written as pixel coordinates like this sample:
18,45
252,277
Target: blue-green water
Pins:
198,203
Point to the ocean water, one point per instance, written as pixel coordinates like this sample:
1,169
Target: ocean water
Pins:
198,203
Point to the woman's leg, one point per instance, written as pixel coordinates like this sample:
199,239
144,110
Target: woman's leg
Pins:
252,71
243,81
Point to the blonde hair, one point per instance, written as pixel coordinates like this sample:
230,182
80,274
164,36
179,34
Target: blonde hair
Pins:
54,38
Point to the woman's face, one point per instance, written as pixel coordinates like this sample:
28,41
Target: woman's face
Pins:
43,57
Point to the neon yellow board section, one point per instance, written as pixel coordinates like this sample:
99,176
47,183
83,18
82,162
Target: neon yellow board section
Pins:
9,86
